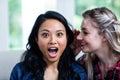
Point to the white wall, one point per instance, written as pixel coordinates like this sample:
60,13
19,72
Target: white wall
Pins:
7,61
4,28
66,7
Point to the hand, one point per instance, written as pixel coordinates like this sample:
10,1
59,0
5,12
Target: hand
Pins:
76,43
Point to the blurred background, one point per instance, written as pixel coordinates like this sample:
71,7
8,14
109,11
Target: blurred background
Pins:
18,16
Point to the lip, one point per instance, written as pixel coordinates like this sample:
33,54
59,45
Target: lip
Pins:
83,44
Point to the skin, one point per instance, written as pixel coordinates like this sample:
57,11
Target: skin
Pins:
51,38
91,41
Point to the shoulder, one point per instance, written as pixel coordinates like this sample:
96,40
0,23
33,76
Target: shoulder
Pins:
81,60
116,71
18,67
118,65
77,67
79,70
118,62
19,72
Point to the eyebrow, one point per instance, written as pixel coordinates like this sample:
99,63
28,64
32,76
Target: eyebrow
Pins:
44,30
83,28
49,31
60,30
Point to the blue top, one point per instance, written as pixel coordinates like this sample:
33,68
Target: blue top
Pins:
19,72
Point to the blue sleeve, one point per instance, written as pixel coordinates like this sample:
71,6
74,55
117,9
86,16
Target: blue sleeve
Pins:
80,71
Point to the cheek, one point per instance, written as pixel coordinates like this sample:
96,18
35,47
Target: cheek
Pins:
96,41
42,44
88,39
63,43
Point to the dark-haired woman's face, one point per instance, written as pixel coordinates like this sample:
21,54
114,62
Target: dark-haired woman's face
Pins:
52,40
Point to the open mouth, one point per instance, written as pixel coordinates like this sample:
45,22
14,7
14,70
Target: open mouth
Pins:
53,49
52,52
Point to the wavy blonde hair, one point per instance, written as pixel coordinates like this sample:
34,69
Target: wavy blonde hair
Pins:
109,26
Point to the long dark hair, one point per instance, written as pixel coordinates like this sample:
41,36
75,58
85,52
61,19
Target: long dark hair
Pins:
33,58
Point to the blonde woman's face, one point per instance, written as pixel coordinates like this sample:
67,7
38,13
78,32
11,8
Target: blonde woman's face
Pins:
91,41
52,40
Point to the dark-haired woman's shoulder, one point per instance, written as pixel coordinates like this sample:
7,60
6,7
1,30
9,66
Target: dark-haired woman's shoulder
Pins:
81,60
79,70
19,72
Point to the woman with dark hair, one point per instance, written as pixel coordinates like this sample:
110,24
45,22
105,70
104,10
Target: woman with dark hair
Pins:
48,55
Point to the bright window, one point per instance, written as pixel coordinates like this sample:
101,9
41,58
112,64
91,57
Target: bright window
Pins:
22,15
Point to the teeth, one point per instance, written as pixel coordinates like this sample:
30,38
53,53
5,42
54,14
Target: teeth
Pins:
52,48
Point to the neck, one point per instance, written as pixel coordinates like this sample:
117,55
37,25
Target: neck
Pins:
108,60
107,57
51,71
106,63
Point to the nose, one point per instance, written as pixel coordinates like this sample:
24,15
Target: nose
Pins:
52,40
79,37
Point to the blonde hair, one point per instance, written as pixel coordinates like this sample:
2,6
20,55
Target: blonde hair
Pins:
109,26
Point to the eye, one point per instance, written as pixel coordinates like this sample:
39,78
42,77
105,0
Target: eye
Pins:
84,32
60,34
45,35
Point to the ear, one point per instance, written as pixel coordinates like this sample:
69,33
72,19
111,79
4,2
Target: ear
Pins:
104,38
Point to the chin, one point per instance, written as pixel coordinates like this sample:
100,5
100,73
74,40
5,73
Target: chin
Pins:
53,60
86,51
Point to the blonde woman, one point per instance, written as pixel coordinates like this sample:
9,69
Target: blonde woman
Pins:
100,40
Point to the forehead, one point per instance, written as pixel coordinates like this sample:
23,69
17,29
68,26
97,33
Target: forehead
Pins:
89,24
52,24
